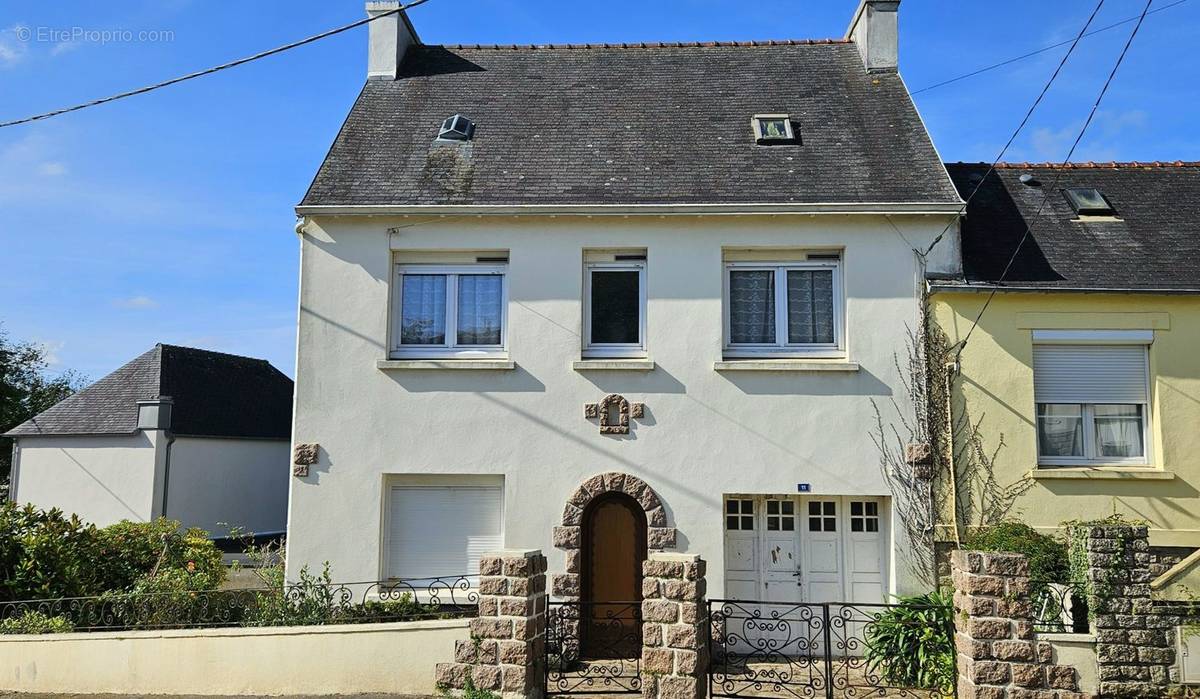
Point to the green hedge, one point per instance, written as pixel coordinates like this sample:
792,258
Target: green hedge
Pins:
1048,560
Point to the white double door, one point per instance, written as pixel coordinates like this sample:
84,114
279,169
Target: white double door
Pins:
811,549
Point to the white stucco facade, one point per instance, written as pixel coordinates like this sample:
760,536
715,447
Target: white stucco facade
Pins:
707,432
211,483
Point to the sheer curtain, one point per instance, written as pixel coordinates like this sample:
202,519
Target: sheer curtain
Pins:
423,309
479,311
1119,430
810,306
752,307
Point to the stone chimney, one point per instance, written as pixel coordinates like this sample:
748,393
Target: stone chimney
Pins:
389,38
875,32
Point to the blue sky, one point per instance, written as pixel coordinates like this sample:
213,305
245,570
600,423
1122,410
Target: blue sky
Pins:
168,217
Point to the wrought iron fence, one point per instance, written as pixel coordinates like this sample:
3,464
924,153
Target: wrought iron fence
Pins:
1059,607
593,648
293,605
773,649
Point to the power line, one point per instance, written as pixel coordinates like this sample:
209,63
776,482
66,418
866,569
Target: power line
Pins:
1042,50
1028,114
1058,176
214,69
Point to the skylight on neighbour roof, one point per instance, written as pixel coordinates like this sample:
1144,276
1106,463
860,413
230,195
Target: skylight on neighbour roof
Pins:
456,128
772,128
1088,201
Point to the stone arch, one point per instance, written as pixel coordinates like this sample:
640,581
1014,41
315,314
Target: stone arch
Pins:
569,536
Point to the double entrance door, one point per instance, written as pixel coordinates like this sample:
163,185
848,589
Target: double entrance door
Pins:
812,549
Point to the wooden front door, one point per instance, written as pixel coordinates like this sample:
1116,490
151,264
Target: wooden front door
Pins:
614,547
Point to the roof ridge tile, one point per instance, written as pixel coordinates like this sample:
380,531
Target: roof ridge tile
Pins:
1111,165
644,45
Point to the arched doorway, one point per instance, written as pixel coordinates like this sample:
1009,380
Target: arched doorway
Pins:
614,547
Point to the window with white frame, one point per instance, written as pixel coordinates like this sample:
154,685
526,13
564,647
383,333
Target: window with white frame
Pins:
614,315
783,308
449,310
1093,400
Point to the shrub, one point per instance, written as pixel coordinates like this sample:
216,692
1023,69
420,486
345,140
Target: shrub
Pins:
1048,561
129,552
912,643
35,622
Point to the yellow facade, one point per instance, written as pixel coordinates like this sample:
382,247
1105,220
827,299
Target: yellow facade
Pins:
996,388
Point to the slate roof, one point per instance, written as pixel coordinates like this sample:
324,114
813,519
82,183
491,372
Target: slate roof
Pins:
215,395
633,124
1153,243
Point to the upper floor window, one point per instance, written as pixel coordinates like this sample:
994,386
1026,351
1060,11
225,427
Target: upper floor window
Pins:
789,308
449,311
614,290
1092,403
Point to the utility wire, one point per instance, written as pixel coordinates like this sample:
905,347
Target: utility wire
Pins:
214,69
1058,175
1028,115
1042,50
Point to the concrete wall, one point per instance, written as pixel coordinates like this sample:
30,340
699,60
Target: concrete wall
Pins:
103,479
997,384
237,482
705,432
395,658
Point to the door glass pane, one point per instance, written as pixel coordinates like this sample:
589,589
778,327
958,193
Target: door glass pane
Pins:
751,307
616,307
1060,430
423,309
1119,431
810,306
479,308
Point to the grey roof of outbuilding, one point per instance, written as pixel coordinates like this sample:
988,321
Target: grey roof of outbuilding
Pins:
214,394
1153,242
632,124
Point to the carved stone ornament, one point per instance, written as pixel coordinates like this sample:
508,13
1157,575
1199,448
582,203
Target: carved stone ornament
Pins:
614,413
303,456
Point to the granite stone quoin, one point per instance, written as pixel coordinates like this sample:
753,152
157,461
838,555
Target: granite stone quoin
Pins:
999,654
507,645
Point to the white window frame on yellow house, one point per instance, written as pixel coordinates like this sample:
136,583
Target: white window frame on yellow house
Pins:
1067,362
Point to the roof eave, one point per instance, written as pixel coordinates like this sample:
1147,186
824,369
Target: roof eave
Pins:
936,286
875,208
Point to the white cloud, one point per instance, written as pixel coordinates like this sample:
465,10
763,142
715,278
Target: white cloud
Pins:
137,302
50,350
64,47
52,169
1101,142
14,44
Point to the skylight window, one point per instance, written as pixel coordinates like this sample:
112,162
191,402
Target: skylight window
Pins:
772,128
1088,201
456,128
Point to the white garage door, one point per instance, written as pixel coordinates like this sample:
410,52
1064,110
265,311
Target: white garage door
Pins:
790,548
442,531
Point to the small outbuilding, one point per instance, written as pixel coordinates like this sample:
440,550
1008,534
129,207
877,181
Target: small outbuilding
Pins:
197,436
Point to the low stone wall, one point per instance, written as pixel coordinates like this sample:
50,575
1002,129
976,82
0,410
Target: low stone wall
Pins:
999,654
674,633
393,658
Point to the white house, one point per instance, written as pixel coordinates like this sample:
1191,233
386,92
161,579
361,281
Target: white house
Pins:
197,436
609,298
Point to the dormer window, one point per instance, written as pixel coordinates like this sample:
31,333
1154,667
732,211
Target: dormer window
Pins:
1088,201
772,128
456,128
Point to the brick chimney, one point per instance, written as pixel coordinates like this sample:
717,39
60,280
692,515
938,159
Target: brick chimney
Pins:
875,32
389,38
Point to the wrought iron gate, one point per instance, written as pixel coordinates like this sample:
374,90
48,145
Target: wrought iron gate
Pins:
593,648
774,649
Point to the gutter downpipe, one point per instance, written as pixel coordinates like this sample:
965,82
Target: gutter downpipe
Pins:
952,369
167,470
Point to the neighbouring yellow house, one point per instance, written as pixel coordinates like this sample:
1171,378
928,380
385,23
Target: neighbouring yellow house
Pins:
1082,376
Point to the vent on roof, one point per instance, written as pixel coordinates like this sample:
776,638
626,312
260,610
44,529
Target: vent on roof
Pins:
772,128
456,128
1088,201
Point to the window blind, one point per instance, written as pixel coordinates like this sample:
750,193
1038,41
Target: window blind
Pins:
1090,374
442,530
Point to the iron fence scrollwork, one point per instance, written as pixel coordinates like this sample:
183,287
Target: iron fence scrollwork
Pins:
593,648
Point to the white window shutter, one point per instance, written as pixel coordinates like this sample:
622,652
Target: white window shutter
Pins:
1090,374
442,531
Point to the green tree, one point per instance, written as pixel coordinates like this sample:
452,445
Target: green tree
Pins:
25,391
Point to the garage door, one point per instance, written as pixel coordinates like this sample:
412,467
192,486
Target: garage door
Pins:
789,548
442,531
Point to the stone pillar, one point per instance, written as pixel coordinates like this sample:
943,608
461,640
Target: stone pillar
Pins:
674,640
506,651
999,655
1133,644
